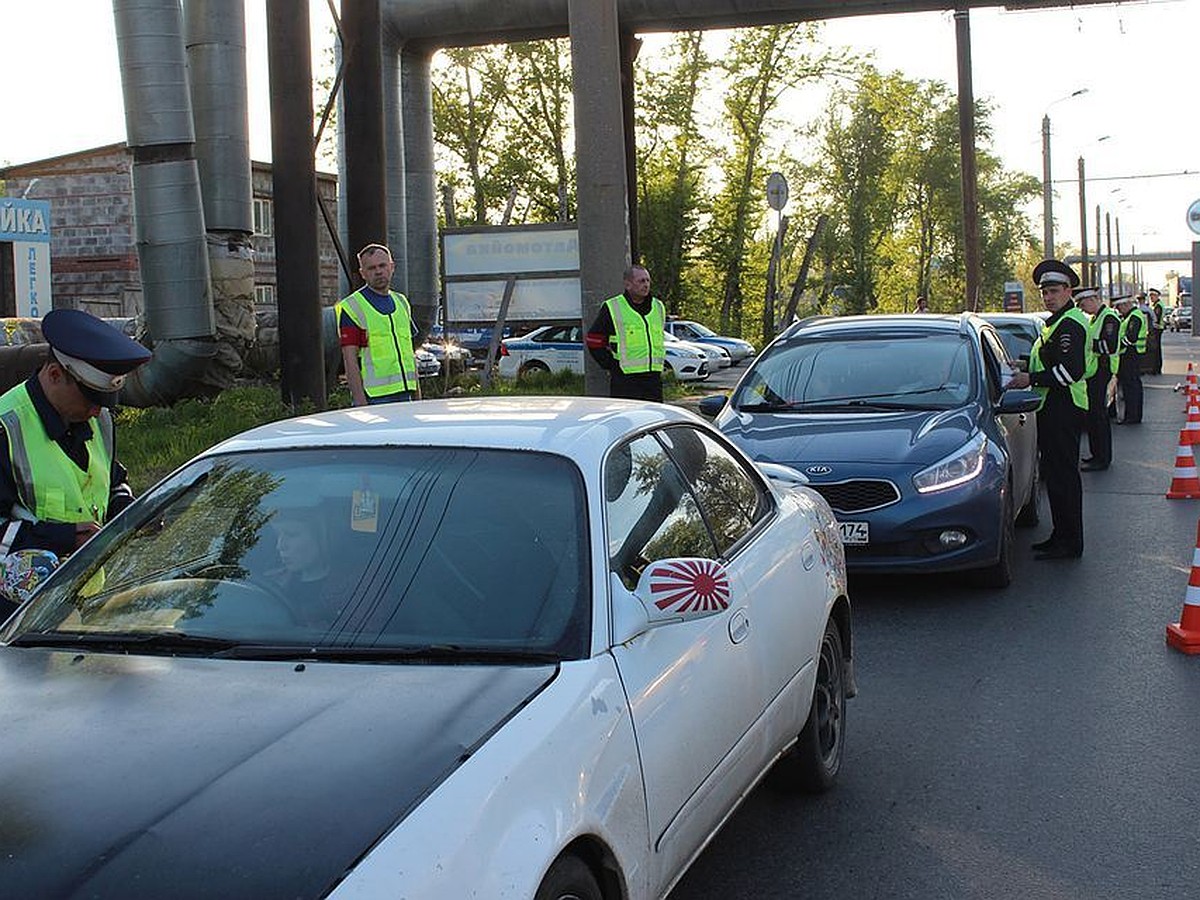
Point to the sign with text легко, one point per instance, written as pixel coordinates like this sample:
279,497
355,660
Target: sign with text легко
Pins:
25,225
543,259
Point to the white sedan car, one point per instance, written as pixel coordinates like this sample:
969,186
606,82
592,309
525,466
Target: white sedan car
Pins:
553,348
535,648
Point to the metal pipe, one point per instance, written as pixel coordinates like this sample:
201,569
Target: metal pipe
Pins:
362,107
1047,192
297,274
1083,247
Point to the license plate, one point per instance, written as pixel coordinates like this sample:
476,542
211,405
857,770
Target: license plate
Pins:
855,532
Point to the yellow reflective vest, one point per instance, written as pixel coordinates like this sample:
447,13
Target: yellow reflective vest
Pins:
388,363
638,342
50,487
1094,328
1078,388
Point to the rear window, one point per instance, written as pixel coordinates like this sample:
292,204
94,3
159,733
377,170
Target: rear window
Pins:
920,371
355,548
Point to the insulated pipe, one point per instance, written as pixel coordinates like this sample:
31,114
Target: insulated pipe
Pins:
421,238
168,219
393,119
362,109
216,57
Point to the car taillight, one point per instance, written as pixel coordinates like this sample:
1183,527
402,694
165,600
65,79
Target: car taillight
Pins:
503,350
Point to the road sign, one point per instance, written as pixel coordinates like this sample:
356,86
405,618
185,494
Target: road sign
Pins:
777,191
1193,214
1014,296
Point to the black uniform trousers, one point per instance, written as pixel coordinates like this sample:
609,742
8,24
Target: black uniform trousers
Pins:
1129,377
1099,429
1060,423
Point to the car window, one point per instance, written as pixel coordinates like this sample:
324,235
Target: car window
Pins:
349,548
561,334
996,362
731,499
651,512
911,370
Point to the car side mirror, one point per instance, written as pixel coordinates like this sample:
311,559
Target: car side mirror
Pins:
1017,400
712,404
671,590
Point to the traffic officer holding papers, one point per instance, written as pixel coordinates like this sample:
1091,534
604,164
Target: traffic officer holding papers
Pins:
59,476
1058,365
1104,332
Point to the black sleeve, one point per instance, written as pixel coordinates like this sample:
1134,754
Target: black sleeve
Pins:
1132,333
1110,335
597,339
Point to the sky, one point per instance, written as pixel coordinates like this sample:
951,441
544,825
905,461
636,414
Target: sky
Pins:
1134,124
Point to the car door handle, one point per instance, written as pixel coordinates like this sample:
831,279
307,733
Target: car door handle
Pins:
1021,417
739,626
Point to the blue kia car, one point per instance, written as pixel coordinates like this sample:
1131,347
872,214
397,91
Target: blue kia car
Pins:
902,423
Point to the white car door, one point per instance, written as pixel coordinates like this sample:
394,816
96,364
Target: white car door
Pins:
694,687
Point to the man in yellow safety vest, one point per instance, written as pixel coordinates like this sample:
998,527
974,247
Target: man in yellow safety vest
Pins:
627,339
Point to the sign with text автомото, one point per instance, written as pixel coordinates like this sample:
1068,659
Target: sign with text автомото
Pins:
543,260
26,225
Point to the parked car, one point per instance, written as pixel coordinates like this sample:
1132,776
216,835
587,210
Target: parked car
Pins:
1182,320
427,364
579,697
448,353
1018,331
903,425
718,357
697,333
553,348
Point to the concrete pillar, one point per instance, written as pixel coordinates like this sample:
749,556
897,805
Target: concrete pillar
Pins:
421,236
600,162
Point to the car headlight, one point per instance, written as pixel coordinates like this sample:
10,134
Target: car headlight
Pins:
959,467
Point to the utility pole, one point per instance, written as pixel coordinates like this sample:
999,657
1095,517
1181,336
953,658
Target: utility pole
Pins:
966,131
1083,247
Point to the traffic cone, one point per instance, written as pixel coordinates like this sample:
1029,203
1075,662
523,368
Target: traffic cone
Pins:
1185,485
1191,428
1191,375
1184,635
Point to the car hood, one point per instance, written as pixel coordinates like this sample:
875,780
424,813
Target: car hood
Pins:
126,776
892,438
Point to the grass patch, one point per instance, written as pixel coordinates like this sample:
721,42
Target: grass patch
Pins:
152,443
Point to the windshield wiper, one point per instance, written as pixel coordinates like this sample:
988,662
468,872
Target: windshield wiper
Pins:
126,642
428,653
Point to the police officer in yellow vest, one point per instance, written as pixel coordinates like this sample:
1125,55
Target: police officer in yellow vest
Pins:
1104,332
376,335
1058,366
59,476
627,339
1135,329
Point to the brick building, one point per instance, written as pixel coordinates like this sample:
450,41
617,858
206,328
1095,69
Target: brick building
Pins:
93,257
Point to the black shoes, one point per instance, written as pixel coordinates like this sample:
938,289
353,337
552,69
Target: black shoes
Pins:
1090,465
1044,545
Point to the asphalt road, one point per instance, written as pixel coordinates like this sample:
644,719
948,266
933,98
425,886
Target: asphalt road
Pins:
1036,742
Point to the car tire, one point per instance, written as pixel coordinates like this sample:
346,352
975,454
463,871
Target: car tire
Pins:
999,574
534,365
1031,512
812,764
569,878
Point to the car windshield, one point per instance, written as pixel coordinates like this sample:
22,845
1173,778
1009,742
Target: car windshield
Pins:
702,330
352,553
874,372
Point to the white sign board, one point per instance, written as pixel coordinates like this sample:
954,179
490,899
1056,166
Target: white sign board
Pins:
544,260
26,224
1193,217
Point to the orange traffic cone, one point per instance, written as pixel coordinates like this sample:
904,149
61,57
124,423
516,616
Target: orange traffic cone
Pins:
1184,635
1191,375
1185,485
1191,428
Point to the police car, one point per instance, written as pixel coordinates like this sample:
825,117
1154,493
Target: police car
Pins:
308,664
555,348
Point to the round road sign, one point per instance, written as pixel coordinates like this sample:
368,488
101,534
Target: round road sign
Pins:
777,191
1193,217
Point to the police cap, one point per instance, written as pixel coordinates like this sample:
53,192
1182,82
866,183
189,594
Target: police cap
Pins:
95,353
1053,271
1124,298
1155,292
1085,292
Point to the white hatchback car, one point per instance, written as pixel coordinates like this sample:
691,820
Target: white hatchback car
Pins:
553,348
465,648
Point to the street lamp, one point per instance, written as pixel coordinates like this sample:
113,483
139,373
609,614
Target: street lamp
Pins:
1047,201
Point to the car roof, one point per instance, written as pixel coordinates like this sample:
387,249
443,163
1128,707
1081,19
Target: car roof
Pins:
578,427
899,323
